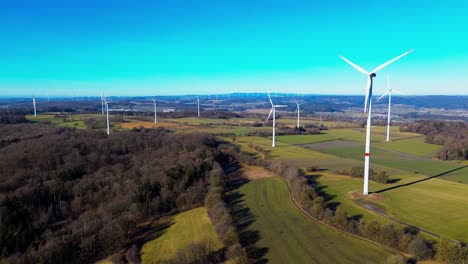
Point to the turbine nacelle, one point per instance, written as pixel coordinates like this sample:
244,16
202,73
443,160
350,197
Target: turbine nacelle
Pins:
371,75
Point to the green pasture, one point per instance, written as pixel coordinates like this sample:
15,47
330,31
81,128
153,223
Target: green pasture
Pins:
436,205
409,146
282,150
287,236
75,122
180,231
396,160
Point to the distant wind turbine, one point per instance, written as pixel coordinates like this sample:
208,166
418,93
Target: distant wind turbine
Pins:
198,106
368,111
389,92
107,110
273,111
34,105
155,117
298,107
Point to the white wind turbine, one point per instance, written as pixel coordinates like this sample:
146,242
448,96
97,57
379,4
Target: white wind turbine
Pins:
298,108
273,110
368,111
198,106
155,116
34,105
107,110
389,92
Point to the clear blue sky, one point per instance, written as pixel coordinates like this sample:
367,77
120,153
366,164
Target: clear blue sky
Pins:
179,47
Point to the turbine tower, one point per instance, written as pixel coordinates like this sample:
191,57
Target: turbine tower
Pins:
298,107
198,106
34,105
368,111
107,110
273,110
389,92
155,117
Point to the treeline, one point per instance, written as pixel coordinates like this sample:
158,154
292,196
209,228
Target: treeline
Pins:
12,117
282,130
74,196
358,172
453,136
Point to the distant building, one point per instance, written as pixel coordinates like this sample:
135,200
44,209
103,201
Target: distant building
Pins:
168,110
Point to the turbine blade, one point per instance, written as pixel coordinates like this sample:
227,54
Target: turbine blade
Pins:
354,65
402,93
383,95
390,61
268,118
276,106
269,97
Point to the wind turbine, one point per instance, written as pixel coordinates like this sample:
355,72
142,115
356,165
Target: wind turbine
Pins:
198,106
298,107
107,110
273,110
368,111
34,105
389,92
155,117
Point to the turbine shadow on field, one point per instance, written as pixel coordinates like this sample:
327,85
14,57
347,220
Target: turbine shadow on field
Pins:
421,180
243,218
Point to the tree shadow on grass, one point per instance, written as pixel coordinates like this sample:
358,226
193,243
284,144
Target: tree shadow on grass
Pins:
147,232
312,179
421,180
244,218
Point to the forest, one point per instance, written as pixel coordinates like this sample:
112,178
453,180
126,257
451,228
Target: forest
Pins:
453,136
76,196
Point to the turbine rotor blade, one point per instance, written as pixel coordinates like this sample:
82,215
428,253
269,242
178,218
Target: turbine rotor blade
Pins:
279,106
383,95
393,90
270,99
268,118
390,61
355,66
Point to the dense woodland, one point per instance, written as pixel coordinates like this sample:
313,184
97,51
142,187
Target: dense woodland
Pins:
74,196
453,136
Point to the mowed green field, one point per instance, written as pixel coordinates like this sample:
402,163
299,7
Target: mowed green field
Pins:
185,228
290,237
397,160
57,121
435,205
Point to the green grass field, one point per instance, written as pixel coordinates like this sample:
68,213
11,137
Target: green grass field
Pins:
290,237
76,122
391,159
435,205
185,228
